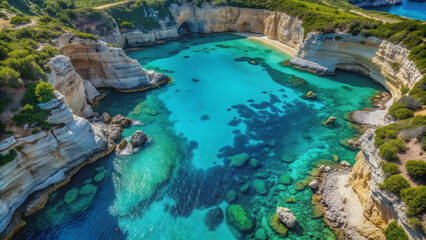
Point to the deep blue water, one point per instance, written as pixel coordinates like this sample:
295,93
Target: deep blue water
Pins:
230,95
410,9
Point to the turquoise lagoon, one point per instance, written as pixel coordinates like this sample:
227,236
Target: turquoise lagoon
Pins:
229,95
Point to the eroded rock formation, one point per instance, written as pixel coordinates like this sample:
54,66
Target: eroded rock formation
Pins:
44,158
106,66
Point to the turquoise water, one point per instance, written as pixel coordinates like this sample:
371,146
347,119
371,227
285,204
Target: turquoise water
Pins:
408,8
229,95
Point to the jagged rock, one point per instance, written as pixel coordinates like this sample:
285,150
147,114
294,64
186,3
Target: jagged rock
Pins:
286,216
314,184
213,218
345,164
239,160
330,120
259,187
122,144
138,139
123,121
353,144
106,117
114,131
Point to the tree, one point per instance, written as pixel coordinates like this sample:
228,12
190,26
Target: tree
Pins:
9,77
395,184
391,168
44,92
415,198
395,232
416,168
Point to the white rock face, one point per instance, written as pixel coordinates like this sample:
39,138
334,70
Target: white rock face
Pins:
286,216
374,3
66,80
44,155
369,56
106,66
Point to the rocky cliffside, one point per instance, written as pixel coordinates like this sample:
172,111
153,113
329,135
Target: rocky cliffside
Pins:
106,66
369,56
44,158
354,203
66,80
374,3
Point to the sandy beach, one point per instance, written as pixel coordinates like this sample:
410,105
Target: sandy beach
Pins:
280,46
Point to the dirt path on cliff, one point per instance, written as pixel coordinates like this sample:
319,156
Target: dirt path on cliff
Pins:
111,4
385,20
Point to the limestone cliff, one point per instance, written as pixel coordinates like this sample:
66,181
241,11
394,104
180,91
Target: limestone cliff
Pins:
106,66
66,80
354,203
370,56
44,158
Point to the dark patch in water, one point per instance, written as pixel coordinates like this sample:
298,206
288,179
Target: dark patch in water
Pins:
185,56
250,101
205,117
234,122
195,80
236,131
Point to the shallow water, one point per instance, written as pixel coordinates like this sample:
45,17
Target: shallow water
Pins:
408,8
220,104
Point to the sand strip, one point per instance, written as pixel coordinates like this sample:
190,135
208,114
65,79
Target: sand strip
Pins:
276,44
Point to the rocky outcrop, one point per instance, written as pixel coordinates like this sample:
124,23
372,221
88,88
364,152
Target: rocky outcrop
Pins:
374,3
106,66
354,203
44,158
66,80
212,19
286,216
370,56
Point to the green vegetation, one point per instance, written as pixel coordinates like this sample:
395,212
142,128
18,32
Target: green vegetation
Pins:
404,90
239,218
416,168
415,198
395,184
44,92
389,150
93,3
391,168
395,66
4,159
416,224
112,45
17,20
127,15
395,232
85,35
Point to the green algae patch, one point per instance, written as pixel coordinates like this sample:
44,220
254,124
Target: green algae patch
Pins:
238,160
237,217
71,195
88,188
99,177
138,109
87,181
316,212
277,226
290,200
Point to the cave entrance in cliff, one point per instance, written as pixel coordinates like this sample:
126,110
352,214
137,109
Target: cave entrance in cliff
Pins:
184,29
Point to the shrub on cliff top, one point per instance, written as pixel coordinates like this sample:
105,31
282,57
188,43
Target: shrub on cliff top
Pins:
4,159
395,184
395,232
388,152
19,20
391,168
44,92
85,35
416,168
385,133
415,198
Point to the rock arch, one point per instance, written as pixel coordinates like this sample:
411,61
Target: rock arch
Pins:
184,28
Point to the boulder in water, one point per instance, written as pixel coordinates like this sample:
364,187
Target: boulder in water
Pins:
259,187
311,94
277,226
239,160
106,117
260,234
138,139
213,218
284,179
99,177
237,217
230,196
87,189
286,216
330,121
123,121
314,184
122,144
71,195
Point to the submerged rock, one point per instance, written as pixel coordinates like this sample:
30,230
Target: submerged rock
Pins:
71,195
239,160
244,188
99,177
284,179
237,217
311,94
87,189
230,196
259,187
138,139
287,157
316,212
213,218
335,157
260,234
286,216
330,120
277,226
254,163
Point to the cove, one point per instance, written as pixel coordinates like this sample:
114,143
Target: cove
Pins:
408,8
229,95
